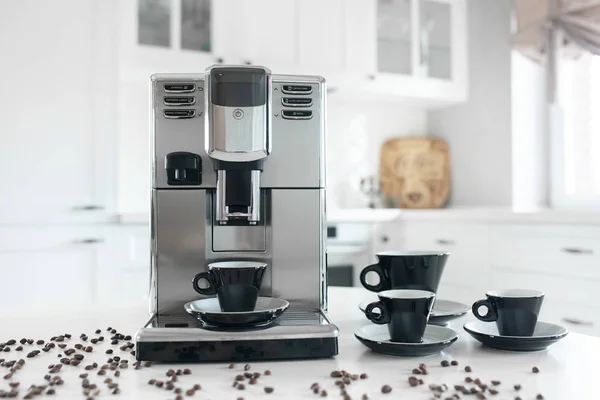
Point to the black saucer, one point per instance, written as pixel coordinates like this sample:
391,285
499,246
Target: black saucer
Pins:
377,338
209,312
443,311
545,334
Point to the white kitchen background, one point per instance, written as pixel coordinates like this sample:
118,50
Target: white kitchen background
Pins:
74,141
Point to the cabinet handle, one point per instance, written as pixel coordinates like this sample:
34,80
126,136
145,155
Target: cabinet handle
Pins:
88,241
385,239
89,207
219,60
247,62
576,250
575,321
445,242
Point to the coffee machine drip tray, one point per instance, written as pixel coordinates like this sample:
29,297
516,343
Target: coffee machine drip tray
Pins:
298,333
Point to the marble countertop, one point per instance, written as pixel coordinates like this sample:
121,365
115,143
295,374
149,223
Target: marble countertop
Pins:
567,370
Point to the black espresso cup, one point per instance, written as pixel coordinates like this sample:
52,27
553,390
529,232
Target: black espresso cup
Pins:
405,312
515,311
236,284
419,270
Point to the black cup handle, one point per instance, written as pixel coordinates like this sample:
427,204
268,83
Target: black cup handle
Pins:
211,287
363,278
382,318
491,314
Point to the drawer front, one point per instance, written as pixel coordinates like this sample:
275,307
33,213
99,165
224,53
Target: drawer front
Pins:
553,251
556,288
575,317
466,243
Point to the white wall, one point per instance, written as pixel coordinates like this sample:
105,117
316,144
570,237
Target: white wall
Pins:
529,142
479,131
356,130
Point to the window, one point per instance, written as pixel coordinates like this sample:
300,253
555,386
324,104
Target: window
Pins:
576,133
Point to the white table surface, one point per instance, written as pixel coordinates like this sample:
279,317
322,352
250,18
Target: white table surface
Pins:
567,370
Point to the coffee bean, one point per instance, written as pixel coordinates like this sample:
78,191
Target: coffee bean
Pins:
416,371
365,397
413,381
445,363
247,367
269,389
336,374
19,348
178,372
169,386
468,379
535,370
8,376
159,383
386,389
340,384
231,366
113,331
241,386
481,396
268,372
468,369
517,387
323,393
477,381
421,381
187,371
252,381
11,342
190,392
62,345
170,372
197,387
89,349
74,362
6,349
539,397
493,391
346,380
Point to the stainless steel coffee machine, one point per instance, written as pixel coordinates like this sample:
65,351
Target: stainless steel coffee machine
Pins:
238,173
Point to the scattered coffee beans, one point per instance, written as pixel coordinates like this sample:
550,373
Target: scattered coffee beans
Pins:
269,389
364,376
247,367
468,379
517,387
493,391
539,397
187,371
386,389
241,386
268,372
535,370
416,371
468,369
239,378
336,374
413,381
445,363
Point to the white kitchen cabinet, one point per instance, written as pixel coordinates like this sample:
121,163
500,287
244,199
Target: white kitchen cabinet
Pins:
58,122
47,268
416,50
125,277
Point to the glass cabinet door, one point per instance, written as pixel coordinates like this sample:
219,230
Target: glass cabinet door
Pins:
394,36
175,24
434,40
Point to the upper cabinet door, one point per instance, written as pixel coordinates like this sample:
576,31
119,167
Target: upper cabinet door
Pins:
421,50
265,33
56,111
169,36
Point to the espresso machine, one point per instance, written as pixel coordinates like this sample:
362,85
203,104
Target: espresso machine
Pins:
238,173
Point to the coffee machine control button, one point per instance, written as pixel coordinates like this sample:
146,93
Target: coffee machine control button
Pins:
296,102
179,100
183,168
296,114
238,113
179,114
179,87
296,89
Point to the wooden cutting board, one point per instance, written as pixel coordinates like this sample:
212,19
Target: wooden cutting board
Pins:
415,172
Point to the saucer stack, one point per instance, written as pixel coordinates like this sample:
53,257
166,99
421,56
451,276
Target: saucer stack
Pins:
405,273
